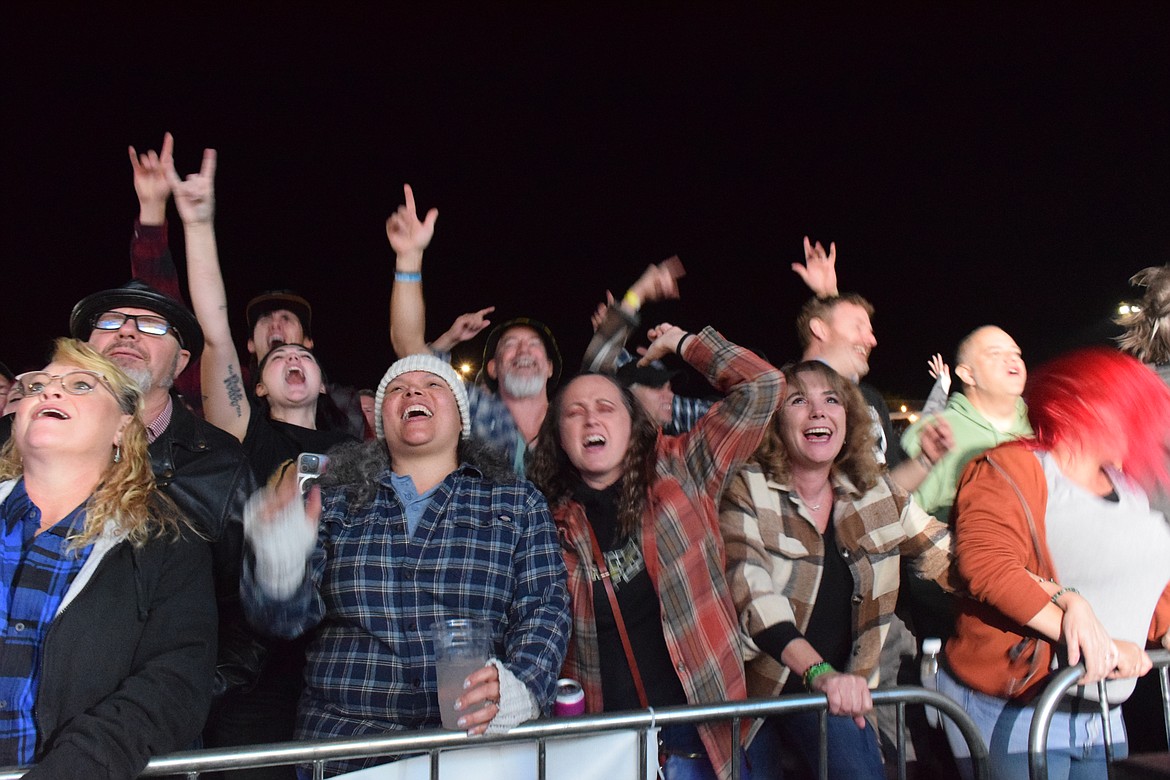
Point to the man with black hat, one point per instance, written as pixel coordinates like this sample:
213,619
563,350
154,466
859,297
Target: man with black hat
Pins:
153,337
650,384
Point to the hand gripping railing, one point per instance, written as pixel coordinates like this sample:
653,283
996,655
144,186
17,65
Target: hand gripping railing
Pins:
317,752
1047,702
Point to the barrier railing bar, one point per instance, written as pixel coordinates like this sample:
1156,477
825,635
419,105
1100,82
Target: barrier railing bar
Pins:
402,744
1164,680
1047,702
823,746
900,723
736,749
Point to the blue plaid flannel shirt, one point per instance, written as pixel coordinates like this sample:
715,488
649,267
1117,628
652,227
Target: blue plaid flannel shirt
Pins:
35,572
482,550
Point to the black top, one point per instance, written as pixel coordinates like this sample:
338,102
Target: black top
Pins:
269,443
640,609
830,629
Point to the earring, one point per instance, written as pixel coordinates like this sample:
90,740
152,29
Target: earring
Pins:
117,453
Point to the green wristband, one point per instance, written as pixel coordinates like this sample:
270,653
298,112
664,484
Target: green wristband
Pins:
815,671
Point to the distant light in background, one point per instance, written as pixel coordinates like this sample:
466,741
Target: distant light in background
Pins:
1128,308
904,409
912,418
465,368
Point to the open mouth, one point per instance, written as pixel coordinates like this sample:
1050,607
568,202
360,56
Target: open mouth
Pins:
417,411
294,375
820,434
594,441
53,412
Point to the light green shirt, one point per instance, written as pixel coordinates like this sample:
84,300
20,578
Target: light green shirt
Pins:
973,435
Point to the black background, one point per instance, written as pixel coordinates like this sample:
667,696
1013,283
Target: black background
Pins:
974,164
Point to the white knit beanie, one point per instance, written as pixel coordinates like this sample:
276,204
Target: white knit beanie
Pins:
432,365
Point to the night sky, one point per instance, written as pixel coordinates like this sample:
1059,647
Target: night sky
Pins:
973,165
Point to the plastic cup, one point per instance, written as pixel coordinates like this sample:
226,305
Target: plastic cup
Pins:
461,646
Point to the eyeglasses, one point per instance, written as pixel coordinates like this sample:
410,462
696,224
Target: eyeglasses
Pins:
79,382
150,324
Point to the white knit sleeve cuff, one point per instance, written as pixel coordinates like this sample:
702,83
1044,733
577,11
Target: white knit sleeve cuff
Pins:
517,704
282,543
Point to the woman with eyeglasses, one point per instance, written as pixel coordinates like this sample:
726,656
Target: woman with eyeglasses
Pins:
108,632
1065,563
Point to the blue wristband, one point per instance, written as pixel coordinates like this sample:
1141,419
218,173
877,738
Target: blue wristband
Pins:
407,276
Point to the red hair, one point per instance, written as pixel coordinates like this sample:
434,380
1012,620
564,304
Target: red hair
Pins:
1096,399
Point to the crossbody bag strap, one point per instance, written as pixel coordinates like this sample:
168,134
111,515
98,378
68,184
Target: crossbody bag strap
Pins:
607,581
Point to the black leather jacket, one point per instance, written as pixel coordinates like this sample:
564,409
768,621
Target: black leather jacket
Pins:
204,471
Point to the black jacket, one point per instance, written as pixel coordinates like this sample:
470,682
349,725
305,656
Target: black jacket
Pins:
128,664
204,471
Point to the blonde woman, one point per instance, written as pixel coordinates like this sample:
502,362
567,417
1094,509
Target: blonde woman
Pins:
108,646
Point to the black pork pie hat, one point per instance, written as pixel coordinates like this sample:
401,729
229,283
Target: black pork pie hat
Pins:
137,294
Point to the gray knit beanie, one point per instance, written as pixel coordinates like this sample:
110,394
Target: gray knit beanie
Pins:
432,365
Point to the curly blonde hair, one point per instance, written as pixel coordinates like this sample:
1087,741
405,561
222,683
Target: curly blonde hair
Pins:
856,459
126,494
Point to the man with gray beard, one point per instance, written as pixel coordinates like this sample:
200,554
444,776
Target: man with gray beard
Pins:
521,361
153,337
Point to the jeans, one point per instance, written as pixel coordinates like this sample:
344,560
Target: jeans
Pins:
685,739
1076,744
853,752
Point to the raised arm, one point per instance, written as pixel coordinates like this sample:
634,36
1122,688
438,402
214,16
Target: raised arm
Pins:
730,432
658,282
464,328
941,373
225,404
409,236
819,270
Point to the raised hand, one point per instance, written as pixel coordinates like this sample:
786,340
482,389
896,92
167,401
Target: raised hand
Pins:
659,281
464,328
664,339
598,316
194,196
819,270
939,370
150,182
407,234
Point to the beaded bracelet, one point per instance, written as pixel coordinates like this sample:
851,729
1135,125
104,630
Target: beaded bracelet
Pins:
815,671
1063,590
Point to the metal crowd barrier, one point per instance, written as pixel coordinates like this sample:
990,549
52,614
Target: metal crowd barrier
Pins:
433,742
1048,701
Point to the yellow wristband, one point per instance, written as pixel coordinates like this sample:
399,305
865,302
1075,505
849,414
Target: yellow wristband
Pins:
632,299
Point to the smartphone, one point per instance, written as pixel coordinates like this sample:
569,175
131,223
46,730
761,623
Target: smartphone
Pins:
310,467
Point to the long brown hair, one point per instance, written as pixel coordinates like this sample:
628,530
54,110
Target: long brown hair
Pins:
551,470
856,459
126,494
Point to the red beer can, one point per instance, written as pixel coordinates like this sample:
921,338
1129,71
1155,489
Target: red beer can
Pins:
570,698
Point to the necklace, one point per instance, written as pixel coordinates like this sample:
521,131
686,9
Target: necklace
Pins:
811,505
